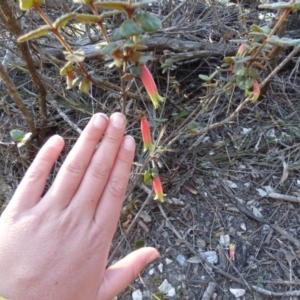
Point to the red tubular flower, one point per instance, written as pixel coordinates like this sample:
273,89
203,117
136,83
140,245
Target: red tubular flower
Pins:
145,128
150,86
255,91
159,194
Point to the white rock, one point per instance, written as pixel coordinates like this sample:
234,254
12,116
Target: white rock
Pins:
145,216
262,193
168,261
151,271
137,295
224,240
268,189
167,289
245,130
237,292
160,267
230,184
243,226
256,212
210,256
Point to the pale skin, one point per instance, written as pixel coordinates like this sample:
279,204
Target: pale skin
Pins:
56,246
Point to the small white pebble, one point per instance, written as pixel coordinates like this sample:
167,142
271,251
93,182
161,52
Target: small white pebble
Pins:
160,267
137,295
168,261
151,271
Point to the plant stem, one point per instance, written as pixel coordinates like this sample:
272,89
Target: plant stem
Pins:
103,30
13,92
13,26
60,38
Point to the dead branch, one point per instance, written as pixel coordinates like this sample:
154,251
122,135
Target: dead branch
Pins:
284,197
276,294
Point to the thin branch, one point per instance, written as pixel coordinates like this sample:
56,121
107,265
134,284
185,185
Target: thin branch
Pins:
13,26
12,89
280,66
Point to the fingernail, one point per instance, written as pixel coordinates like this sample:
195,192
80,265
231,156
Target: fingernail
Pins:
129,142
153,256
118,120
100,120
55,141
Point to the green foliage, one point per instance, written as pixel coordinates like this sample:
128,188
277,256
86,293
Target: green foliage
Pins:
149,22
27,4
63,20
17,135
130,28
123,51
36,33
244,69
21,138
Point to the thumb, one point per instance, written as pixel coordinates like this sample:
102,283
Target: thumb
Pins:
118,277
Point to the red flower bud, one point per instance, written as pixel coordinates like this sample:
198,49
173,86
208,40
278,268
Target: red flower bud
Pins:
159,194
145,128
150,86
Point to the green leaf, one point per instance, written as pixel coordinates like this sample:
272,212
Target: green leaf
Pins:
17,135
130,28
87,19
35,33
76,56
85,86
111,48
63,20
147,177
117,35
27,4
118,5
182,115
244,82
283,42
148,21
228,60
136,71
66,68
244,59
204,77
255,28
249,72
21,147
139,244
253,73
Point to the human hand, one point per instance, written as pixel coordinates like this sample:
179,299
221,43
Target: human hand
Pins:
56,247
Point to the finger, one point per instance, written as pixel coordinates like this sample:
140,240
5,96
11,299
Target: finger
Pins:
118,277
73,169
32,186
109,207
98,172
